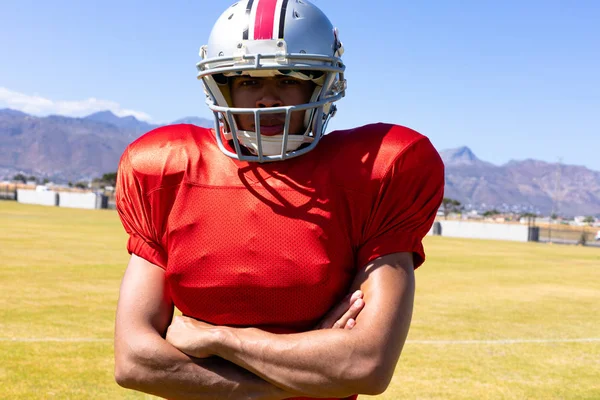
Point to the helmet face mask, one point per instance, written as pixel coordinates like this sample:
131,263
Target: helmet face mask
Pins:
297,40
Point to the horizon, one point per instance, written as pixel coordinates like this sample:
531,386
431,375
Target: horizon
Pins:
510,80
441,151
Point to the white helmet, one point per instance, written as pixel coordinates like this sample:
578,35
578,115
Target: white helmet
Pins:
266,38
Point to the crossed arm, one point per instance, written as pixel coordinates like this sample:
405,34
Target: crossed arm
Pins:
256,364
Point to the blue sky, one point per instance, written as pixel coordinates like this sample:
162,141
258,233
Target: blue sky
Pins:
510,79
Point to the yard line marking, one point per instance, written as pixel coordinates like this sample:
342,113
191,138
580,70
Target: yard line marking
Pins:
504,341
434,342
62,340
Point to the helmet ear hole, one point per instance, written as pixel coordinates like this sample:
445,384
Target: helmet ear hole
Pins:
221,79
227,128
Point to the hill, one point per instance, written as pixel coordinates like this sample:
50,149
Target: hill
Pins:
68,149
73,149
526,185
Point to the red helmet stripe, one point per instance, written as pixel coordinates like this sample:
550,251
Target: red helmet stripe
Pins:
265,19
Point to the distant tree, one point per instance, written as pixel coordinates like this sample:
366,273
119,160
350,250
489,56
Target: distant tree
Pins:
450,205
589,220
528,215
554,216
32,178
20,178
70,184
110,179
530,218
81,185
46,180
491,213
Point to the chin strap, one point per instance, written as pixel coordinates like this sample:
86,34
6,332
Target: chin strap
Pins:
271,145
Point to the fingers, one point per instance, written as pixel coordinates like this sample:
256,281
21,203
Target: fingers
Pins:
344,322
343,311
355,296
337,313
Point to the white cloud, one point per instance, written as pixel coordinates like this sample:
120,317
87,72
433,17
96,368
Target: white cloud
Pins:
37,105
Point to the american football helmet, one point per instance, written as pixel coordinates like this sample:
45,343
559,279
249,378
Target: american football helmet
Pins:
265,38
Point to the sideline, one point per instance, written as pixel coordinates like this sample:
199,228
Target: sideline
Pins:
503,341
61,340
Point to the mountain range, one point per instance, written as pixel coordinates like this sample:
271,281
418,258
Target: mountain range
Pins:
526,185
68,149
72,149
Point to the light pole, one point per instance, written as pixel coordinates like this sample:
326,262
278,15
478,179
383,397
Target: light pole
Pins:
554,198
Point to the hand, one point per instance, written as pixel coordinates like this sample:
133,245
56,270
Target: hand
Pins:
343,315
192,337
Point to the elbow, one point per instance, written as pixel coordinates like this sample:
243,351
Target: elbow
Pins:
372,377
126,373
130,372
376,385
122,378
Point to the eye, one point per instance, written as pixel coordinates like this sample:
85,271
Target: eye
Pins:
290,81
245,82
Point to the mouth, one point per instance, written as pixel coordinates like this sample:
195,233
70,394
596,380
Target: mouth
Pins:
271,128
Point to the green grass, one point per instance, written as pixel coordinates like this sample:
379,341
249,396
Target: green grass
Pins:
60,271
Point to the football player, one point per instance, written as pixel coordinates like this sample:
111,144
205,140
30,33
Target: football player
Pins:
268,234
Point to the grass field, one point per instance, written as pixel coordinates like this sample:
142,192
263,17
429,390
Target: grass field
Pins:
493,320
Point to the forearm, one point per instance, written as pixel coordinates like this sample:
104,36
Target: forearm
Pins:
332,362
324,363
149,364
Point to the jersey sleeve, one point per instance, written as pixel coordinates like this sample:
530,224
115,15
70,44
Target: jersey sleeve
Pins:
410,194
135,211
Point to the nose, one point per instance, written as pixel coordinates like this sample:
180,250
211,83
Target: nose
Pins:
269,97
267,102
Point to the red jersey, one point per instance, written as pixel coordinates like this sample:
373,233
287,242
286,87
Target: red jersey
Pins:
275,245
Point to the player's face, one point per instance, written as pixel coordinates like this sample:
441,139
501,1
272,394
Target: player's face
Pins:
278,91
